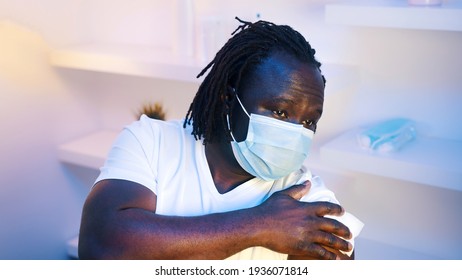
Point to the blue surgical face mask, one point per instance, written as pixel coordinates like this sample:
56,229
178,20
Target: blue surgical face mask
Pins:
273,148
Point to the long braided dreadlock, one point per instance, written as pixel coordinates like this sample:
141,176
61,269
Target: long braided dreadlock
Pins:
250,45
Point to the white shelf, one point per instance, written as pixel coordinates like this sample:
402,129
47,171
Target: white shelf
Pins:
89,151
143,61
429,161
152,62
396,14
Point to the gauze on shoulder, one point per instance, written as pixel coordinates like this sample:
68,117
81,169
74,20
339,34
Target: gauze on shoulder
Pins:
319,192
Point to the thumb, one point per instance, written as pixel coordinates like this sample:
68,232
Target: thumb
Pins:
298,191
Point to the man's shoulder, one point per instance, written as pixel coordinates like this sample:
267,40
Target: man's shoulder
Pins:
148,127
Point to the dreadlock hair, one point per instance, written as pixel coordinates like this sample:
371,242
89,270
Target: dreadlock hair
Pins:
250,45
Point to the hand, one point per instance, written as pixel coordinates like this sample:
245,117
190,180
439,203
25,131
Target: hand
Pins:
299,228
340,255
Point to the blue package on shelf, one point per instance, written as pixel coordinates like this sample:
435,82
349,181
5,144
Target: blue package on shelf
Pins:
388,136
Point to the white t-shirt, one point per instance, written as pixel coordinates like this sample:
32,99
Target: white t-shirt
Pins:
165,157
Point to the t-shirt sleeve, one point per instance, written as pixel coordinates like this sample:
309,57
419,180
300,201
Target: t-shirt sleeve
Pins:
132,155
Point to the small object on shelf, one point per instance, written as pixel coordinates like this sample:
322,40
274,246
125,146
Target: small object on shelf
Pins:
387,136
152,110
425,2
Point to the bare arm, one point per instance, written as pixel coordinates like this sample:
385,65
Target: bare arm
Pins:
118,222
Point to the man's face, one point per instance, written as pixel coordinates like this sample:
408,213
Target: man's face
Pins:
282,88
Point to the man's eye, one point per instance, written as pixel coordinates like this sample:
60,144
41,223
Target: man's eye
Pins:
280,114
310,124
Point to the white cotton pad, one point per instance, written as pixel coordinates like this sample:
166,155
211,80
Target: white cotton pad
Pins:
319,192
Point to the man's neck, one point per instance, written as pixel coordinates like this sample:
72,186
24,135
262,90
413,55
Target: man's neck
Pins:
226,172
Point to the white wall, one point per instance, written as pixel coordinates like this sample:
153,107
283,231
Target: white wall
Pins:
40,199
411,73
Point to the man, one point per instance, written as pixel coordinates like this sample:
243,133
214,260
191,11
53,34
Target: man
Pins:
226,182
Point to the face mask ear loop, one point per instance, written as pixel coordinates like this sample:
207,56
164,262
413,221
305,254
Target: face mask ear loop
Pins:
242,106
229,127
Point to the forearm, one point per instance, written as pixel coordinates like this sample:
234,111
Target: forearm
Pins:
118,222
140,234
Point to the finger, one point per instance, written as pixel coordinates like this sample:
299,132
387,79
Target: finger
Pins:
333,226
320,252
327,208
298,191
340,255
329,240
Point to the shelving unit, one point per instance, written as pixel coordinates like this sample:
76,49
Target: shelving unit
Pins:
396,14
429,161
432,162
